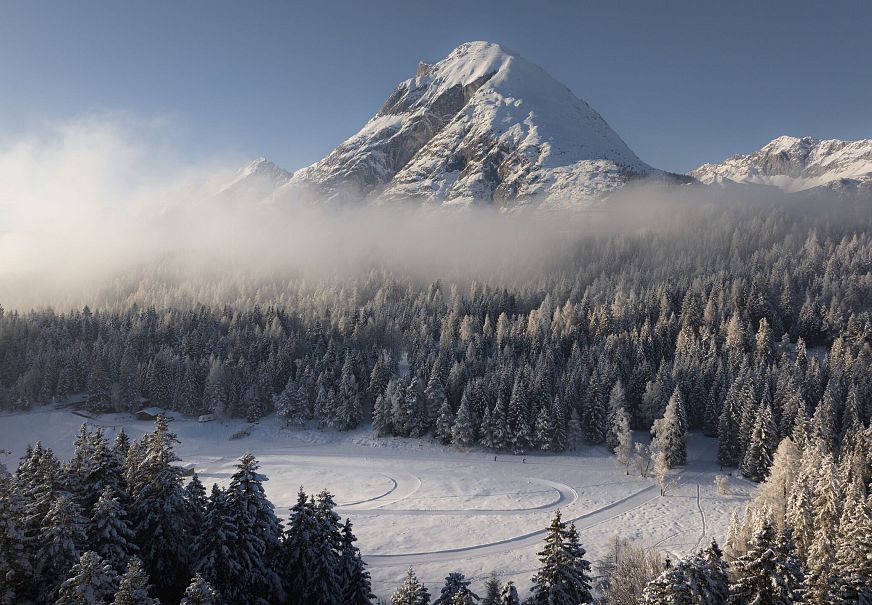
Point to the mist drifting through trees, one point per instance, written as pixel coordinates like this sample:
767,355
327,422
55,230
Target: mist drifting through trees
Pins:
748,321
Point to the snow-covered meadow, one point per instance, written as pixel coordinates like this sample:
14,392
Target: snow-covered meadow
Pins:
415,502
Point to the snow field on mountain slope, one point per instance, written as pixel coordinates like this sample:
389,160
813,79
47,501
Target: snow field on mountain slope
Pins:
415,502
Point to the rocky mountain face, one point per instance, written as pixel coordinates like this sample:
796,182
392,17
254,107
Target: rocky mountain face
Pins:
798,164
481,125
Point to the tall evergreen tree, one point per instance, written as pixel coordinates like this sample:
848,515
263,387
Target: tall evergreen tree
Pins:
133,587
562,577
110,535
670,432
200,592
355,579
764,576
92,581
411,592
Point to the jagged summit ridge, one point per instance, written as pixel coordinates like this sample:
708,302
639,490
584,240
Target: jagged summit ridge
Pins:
797,164
482,124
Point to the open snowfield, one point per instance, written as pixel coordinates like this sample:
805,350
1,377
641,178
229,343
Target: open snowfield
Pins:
415,502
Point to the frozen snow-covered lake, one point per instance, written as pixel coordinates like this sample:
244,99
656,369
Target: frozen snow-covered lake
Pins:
415,502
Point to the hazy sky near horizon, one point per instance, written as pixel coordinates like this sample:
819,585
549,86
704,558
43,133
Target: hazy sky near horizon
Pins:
682,82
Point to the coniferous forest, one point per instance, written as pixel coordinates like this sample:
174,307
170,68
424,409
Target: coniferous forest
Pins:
750,326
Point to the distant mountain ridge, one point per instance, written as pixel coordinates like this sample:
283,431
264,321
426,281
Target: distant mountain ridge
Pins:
796,164
485,126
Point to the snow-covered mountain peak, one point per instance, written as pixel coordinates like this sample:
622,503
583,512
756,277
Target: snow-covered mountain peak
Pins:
797,164
258,178
481,124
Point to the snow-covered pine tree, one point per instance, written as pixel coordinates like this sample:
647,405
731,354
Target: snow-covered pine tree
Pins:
509,594
350,411
463,430
826,505
444,423
456,586
200,592
619,432
672,587
854,548
381,416
133,587
729,449
562,577
110,534
195,498
14,564
215,560
99,386
499,424
764,576
617,406
670,432
486,430
718,581
159,512
411,592
62,537
256,543
91,581
355,579
546,427
284,403
760,450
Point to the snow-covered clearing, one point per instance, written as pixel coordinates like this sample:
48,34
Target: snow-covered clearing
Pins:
415,502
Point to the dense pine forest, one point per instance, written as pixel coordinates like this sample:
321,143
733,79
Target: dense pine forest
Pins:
751,326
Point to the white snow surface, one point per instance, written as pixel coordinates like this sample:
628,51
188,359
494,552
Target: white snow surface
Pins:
415,502
481,124
796,164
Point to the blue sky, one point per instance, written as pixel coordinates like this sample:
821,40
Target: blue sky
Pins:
681,82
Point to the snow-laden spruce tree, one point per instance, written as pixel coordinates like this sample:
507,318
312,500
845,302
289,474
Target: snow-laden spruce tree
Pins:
672,587
760,450
486,429
563,577
617,405
61,538
546,429
256,543
826,505
13,556
764,575
214,559
463,431
91,581
110,535
854,547
133,587
444,423
509,594
411,592
670,432
354,578
774,492
200,592
623,438
159,512
456,587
